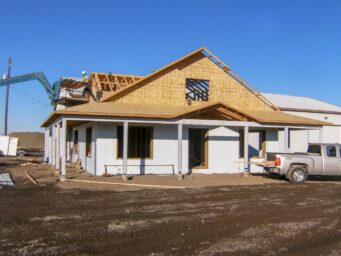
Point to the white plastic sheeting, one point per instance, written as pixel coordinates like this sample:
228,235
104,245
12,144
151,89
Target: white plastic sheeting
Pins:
5,179
8,145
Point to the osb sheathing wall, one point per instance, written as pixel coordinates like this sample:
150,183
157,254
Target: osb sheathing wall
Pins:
169,87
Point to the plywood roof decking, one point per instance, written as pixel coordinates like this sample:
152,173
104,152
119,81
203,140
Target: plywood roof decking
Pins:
151,75
228,70
115,109
199,52
276,117
215,110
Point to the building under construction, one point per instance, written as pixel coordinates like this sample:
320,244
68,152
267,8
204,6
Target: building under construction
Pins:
194,115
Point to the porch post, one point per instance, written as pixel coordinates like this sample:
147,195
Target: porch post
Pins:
286,139
63,144
125,147
58,147
50,132
179,148
45,145
246,149
53,160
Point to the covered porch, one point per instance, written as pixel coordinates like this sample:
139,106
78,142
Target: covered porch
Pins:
176,146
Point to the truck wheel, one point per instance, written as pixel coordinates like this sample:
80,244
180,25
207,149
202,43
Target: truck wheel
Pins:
297,174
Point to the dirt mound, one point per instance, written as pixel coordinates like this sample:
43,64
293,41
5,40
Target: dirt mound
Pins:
29,140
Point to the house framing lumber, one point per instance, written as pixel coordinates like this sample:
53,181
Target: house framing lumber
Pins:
108,82
199,52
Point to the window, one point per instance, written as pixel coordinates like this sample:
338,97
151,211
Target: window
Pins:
315,149
197,90
88,141
139,142
331,151
257,144
75,142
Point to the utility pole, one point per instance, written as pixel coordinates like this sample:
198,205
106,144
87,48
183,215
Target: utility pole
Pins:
7,94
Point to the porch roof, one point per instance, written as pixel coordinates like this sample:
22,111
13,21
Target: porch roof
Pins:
218,110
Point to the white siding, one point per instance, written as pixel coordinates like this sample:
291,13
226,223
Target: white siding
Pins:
164,160
331,118
299,140
106,146
331,134
223,151
87,163
274,141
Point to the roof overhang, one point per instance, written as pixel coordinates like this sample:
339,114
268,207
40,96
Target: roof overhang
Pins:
215,111
311,111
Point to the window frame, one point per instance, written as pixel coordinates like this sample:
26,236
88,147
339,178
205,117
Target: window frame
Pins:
188,80
151,144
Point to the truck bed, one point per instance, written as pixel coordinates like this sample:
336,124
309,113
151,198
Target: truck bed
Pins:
272,156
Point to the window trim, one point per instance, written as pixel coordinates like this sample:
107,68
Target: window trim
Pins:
151,144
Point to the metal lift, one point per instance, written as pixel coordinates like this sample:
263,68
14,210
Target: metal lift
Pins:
52,90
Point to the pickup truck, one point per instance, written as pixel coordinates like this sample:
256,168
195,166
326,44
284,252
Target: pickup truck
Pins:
320,159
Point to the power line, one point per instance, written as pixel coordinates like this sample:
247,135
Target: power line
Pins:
30,97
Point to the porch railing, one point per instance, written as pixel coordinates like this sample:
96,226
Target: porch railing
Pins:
138,169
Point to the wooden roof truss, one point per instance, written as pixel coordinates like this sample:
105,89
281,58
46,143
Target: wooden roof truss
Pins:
111,82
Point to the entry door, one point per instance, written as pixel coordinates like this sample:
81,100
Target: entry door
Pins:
198,148
332,162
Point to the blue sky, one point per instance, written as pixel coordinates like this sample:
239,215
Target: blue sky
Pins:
290,47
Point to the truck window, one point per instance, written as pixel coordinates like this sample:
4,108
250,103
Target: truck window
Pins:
315,149
331,151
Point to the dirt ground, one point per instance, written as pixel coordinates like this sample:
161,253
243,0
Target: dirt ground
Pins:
274,218
29,140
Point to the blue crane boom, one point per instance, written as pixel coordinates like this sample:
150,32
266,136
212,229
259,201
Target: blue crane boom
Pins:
52,91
